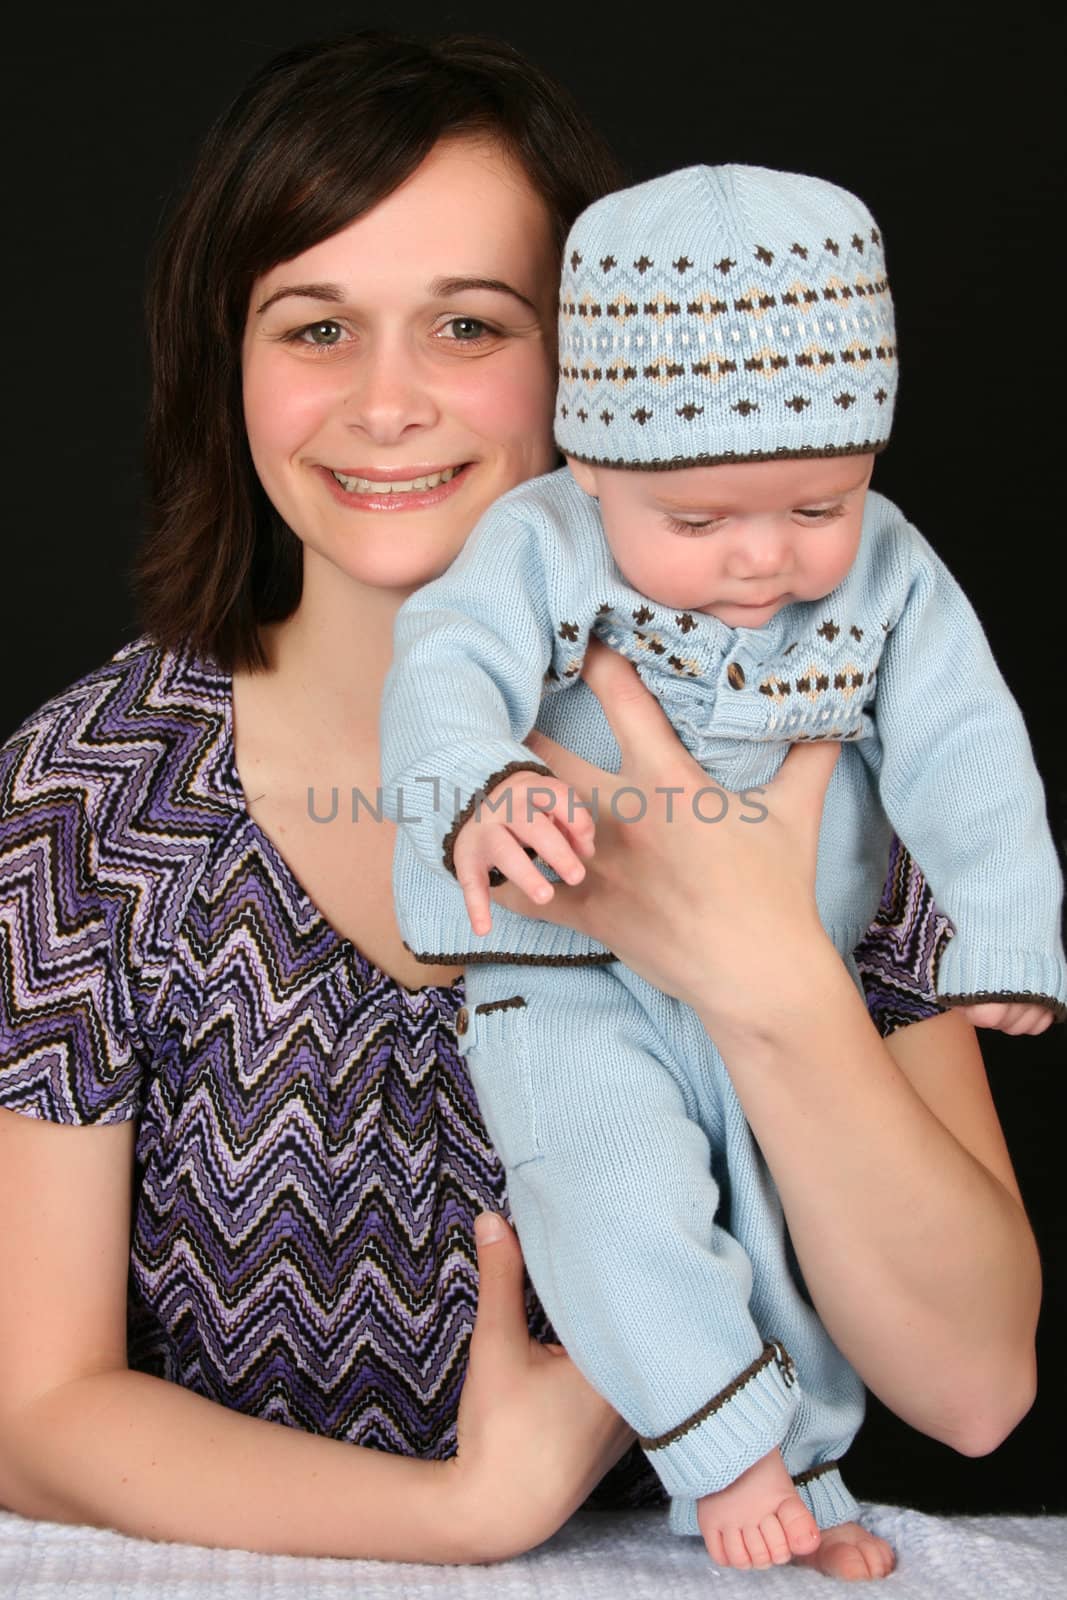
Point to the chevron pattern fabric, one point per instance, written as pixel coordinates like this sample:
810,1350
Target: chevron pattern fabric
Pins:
309,1153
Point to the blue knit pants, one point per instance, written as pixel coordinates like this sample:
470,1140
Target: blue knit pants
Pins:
653,1232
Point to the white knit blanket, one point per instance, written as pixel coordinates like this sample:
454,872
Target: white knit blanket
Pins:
607,1556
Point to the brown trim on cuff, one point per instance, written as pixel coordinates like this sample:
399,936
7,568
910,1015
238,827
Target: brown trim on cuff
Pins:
1003,996
504,958
816,1472
487,787
771,1352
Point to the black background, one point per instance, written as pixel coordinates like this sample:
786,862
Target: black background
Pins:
948,130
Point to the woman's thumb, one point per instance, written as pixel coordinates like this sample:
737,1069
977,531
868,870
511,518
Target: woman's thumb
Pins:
501,1314
808,768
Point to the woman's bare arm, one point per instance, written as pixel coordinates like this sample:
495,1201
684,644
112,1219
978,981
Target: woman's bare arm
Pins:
83,1439
902,1206
888,1155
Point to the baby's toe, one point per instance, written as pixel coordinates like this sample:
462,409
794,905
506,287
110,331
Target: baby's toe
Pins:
713,1543
878,1555
736,1553
756,1546
776,1541
799,1526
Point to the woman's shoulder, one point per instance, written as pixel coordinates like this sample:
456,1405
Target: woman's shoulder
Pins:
113,795
147,732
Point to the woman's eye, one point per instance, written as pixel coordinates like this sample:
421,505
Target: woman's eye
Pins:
319,335
466,330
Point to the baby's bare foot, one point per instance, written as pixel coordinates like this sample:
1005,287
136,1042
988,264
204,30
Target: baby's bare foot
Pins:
849,1551
759,1520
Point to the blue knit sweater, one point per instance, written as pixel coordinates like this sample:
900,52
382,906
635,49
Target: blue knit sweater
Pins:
893,661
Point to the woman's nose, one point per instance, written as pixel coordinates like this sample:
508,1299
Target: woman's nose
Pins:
388,395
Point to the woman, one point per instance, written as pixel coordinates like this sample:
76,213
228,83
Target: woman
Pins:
352,320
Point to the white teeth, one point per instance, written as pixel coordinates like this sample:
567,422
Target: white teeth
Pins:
395,485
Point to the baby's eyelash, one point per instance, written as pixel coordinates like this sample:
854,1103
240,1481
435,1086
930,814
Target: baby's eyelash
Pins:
691,528
819,514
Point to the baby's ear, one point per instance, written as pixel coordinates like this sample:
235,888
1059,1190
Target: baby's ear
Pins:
584,475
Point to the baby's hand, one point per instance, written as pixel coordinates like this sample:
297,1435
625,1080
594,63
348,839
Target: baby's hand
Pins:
1008,1016
759,1520
531,809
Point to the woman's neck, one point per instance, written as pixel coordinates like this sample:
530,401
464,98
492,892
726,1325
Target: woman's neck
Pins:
328,660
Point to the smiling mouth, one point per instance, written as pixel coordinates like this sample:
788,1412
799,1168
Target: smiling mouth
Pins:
430,480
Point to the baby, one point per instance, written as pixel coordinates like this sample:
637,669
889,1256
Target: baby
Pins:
727,375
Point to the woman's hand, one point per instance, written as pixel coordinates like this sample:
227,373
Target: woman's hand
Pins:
534,1438
703,909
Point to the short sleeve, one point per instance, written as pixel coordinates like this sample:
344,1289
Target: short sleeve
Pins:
898,956
66,1041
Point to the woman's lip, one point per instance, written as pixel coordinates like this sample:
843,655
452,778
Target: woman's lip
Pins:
408,500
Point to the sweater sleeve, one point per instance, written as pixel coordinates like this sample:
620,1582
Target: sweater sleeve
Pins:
959,784
470,655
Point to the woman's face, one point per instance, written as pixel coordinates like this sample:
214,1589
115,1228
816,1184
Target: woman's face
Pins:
399,376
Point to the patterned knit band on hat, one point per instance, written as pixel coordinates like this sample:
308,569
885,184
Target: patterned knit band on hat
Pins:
724,313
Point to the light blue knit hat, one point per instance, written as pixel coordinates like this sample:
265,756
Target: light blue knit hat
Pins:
721,313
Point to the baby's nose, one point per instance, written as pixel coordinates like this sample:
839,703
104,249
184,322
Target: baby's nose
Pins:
761,553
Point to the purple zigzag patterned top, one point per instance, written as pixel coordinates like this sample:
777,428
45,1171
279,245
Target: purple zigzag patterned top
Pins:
309,1155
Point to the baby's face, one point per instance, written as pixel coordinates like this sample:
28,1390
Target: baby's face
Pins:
738,541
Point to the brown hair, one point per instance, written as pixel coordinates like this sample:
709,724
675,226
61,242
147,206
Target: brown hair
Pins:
319,136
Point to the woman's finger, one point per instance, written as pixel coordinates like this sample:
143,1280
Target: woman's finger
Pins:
799,786
634,715
500,1327
581,776
563,908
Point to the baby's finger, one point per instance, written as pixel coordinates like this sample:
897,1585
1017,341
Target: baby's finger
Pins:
986,1014
581,835
1030,1019
474,882
553,847
511,859
569,814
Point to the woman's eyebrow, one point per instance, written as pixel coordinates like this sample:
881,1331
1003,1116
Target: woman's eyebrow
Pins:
442,288
309,291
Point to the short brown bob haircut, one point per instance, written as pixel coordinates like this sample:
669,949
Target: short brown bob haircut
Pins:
319,136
